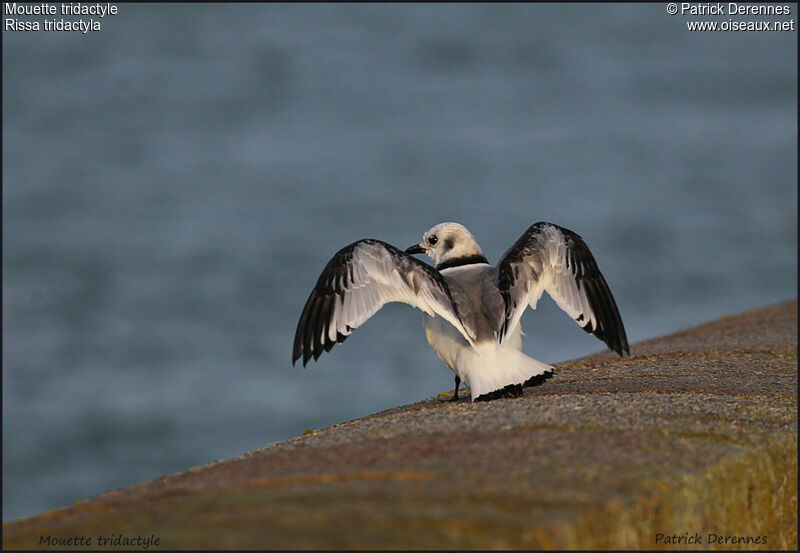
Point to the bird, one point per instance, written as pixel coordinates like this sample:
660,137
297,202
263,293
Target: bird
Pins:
471,310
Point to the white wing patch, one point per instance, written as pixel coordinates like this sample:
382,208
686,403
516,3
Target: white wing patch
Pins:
552,259
359,280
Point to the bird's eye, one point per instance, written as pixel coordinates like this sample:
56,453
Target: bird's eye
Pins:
432,240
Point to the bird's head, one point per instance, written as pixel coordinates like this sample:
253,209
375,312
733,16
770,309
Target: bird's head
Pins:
447,242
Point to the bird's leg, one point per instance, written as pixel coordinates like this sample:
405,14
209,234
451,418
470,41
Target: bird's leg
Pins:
455,394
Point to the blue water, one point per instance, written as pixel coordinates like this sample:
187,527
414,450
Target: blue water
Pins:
173,184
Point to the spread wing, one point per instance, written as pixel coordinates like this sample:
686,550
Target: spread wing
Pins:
358,281
556,260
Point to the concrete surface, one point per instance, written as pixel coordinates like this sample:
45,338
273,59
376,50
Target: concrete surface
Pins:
693,437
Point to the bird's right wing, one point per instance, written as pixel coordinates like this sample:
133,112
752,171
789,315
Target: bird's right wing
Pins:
550,258
359,280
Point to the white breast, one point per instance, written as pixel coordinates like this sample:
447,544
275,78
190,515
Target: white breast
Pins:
477,298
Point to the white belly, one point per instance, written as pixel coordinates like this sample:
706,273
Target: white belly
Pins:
486,366
460,356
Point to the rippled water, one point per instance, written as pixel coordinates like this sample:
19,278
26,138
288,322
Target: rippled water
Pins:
173,184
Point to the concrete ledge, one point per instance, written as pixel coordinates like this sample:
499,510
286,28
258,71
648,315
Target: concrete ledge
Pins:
695,434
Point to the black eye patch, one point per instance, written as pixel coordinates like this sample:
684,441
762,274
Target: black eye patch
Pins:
448,244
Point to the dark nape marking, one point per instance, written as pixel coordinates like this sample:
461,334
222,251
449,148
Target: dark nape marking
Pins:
459,261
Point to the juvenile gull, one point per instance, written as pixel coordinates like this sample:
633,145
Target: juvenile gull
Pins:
471,310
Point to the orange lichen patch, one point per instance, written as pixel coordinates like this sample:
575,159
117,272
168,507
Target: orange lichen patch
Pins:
660,357
363,476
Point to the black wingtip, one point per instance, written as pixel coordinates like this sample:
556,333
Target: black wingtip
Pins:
297,350
609,328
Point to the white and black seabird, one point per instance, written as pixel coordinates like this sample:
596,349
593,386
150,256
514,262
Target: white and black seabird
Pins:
472,310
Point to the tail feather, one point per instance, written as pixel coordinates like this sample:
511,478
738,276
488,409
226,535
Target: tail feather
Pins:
503,368
537,380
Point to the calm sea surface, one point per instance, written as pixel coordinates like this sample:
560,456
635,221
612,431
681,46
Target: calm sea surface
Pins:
174,183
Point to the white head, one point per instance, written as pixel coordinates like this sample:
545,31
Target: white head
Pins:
449,245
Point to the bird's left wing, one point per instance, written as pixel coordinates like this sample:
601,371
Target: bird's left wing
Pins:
550,258
359,280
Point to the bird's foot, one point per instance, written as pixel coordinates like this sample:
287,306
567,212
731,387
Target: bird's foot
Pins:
455,392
